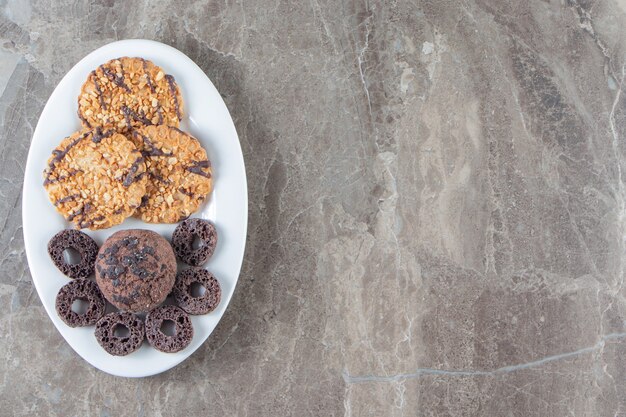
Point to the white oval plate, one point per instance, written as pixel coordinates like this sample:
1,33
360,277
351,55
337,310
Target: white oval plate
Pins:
207,118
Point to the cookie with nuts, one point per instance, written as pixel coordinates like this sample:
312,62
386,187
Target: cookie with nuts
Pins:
126,93
96,178
179,173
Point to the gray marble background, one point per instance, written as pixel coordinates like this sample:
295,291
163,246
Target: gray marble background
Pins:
437,208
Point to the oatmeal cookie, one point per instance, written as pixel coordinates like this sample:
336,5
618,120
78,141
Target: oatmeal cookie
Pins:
129,92
179,173
95,178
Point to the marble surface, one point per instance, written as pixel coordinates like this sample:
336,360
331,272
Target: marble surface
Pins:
437,208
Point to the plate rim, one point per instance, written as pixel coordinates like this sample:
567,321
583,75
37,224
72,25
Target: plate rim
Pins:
29,170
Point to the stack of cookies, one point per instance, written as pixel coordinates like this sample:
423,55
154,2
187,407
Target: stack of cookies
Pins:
130,158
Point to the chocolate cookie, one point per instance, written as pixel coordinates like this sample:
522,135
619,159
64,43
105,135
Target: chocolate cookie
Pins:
179,174
183,329
85,290
86,247
200,304
95,178
129,92
120,345
183,241
136,269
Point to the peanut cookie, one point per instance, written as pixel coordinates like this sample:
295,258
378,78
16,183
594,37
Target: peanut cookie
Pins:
95,178
129,92
179,173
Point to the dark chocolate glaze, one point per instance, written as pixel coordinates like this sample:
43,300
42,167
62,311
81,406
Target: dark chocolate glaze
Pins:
160,178
98,90
143,119
130,177
66,199
202,164
85,224
196,168
179,131
82,212
145,69
150,147
99,134
82,119
170,82
144,201
187,193
76,213
58,155
126,116
117,80
130,113
62,177
140,176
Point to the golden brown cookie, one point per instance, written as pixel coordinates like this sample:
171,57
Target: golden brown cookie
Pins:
179,173
129,92
95,178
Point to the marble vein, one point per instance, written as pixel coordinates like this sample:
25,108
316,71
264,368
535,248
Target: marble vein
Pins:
421,372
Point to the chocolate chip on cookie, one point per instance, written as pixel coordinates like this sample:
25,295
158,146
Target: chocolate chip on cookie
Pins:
136,269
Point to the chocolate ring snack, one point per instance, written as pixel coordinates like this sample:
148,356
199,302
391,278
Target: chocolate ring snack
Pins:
120,345
135,269
183,241
95,178
179,173
125,93
86,247
183,329
80,289
201,304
